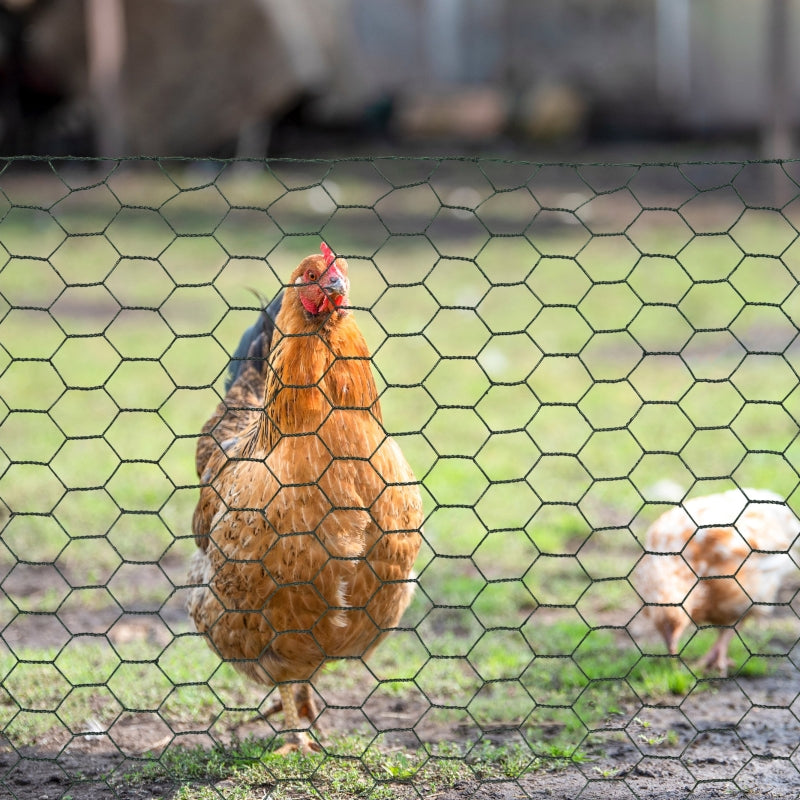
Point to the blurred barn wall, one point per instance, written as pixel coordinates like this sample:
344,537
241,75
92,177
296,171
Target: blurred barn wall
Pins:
199,77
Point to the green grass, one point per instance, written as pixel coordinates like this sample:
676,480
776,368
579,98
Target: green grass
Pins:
358,770
541,385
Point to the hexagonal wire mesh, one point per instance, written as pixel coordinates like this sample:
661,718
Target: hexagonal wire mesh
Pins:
563,353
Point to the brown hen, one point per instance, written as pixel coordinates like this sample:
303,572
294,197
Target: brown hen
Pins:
309,519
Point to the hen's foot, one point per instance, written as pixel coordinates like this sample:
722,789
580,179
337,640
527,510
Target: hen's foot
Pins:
297,738
715,663
299,742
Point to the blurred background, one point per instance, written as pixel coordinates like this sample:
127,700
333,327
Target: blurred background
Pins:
532,78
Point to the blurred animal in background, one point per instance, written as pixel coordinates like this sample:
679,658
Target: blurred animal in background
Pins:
715,561
309,518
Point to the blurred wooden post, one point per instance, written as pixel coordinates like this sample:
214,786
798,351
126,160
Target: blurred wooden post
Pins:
777,131
443,19
105,54
673,52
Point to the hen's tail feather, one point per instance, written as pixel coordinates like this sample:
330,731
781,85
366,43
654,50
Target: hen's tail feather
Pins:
244,393
254,342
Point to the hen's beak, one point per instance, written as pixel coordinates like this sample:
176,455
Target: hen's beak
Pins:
335,287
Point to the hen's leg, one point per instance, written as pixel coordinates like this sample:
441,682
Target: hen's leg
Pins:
717,656
304,701
298,740
306,705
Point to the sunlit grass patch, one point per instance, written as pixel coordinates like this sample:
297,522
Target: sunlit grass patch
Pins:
417,266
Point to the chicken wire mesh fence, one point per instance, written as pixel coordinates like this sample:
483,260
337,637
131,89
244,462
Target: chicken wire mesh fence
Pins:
562,352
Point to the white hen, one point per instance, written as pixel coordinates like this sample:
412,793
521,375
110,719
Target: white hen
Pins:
715,560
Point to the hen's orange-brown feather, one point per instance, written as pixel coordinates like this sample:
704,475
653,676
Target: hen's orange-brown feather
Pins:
312,523
222,437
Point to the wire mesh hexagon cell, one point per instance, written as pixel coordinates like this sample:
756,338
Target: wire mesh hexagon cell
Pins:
571,357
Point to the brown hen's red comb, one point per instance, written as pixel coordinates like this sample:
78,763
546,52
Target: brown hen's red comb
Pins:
330,256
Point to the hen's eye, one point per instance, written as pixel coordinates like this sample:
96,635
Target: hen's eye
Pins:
312,276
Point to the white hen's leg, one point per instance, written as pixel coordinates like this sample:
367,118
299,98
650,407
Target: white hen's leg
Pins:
717,656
